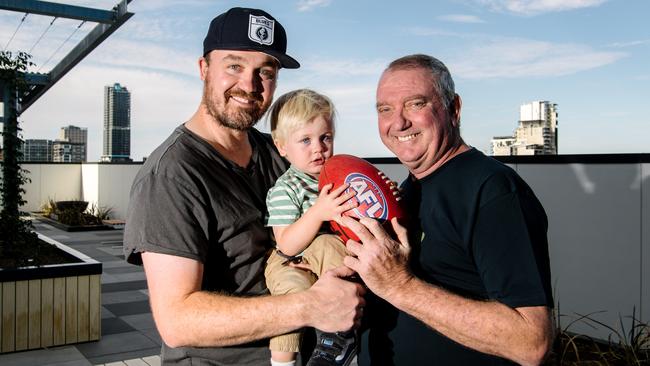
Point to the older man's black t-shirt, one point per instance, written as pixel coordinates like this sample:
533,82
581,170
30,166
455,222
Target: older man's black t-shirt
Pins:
483,236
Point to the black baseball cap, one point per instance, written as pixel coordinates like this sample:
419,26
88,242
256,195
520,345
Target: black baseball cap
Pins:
249,30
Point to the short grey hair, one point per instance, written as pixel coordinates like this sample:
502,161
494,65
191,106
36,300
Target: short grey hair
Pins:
442,80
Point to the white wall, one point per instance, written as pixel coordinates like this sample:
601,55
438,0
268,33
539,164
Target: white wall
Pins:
106,185
58,182
115,182
595,245
90,184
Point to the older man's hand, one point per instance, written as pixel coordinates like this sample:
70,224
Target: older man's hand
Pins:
381,261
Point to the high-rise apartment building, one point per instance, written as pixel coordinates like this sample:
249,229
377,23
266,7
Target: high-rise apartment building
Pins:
68,152
37,150
536,133
72,145
117,124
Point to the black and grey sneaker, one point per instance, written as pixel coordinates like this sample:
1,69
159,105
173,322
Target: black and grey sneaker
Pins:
333,349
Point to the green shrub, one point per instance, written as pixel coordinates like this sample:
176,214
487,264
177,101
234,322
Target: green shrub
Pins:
76,212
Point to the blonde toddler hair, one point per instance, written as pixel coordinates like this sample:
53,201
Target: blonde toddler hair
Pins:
295,109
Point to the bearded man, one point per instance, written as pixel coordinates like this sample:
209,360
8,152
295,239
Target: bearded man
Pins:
196,213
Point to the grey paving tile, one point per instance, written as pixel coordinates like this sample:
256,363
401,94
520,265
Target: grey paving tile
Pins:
118,243
115,326
135,362
54,355
59,237
123,296
125,269
153,335
83,362
152,360
140,322
124,286
109,278
129,308
111,250
107,313
94,252
109,233
82,242
117,263
126,277
124,356
108,251
131,342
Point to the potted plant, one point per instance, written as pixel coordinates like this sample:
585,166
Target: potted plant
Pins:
75,215
49,294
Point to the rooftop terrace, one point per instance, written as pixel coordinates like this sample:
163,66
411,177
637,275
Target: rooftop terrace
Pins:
599,241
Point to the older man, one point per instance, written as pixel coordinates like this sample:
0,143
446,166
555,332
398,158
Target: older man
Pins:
474,289
196,215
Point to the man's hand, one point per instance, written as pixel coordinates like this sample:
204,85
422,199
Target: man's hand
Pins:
336,304
381,261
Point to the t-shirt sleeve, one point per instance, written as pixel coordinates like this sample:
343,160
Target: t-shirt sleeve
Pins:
282,206
510,245
165,216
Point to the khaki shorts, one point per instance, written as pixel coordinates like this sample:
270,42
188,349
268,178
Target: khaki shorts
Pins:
324,253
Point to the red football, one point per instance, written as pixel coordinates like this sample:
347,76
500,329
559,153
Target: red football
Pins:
376,194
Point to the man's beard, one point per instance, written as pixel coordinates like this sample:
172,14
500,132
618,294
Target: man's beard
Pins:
241,119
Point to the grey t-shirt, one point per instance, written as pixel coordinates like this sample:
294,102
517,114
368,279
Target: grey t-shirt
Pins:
188,200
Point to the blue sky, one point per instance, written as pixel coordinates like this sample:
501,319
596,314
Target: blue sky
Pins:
591,57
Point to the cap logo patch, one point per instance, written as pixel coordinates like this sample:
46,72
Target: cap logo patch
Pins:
260,29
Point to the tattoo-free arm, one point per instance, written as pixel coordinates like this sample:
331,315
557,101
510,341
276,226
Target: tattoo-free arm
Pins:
521,334
187,316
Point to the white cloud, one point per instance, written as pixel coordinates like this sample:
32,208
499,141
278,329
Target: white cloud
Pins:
461,18
630,43
534,7
515,58
308,5
146,56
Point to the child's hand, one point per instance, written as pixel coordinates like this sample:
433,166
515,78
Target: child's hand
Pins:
331,204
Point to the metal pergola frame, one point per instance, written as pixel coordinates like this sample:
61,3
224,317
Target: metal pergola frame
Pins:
16,102
108,22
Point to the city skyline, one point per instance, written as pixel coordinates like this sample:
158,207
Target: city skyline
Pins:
70,147
588,56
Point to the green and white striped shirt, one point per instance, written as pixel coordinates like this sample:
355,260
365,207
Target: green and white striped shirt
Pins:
292,195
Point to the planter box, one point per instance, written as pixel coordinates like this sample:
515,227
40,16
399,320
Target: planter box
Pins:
50,305
71,228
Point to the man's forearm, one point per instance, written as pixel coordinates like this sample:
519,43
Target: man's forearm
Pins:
206,319
522,334
187,316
